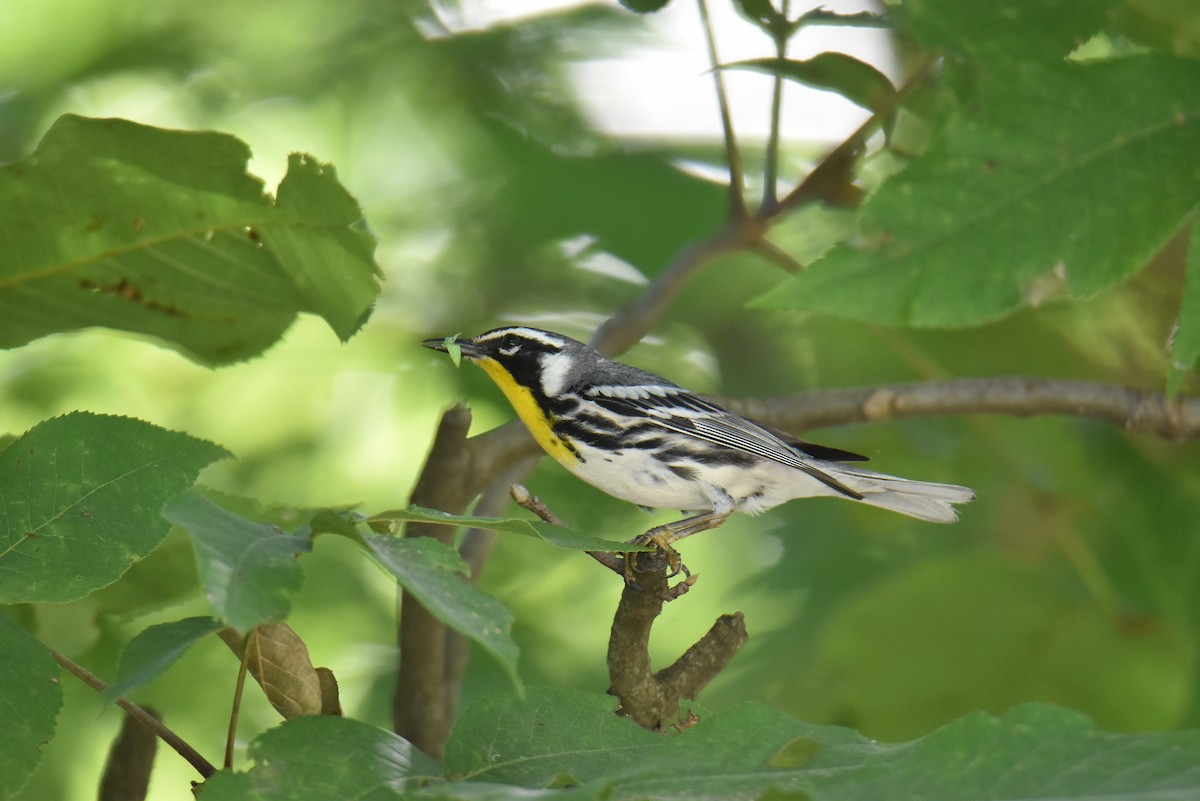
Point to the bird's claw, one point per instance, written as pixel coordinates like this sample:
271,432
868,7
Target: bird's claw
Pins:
664,551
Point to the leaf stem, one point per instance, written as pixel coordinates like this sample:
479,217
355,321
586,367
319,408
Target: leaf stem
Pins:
202,765
771,169
237,701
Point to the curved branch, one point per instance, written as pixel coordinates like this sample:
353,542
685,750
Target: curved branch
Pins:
1131,409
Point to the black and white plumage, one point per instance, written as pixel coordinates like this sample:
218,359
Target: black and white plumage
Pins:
648,441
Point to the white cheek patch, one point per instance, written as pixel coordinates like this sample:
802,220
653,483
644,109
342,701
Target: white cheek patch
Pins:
555,367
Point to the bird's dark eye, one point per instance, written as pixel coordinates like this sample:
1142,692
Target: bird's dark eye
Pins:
509,346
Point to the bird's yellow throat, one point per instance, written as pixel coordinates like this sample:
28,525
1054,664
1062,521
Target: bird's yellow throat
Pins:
530,413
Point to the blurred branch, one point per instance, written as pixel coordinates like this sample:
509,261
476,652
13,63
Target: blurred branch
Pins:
771,167
1134,410
202,765
733,157
130,762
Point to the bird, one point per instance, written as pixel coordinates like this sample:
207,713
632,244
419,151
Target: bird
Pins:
643,439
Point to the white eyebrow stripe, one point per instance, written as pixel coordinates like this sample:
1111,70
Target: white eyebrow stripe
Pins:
527,333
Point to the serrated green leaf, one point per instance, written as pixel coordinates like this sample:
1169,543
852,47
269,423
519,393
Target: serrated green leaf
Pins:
435,574
1185,343
1008,30
555,535
325,758
1033,751
249,570
855,80
1001,212
552,732
30,697
79,501
154,650
158,232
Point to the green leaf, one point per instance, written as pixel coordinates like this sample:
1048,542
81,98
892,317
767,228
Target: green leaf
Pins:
645,6
154,650
555,535
435,574
855,80
1185,344
1008,30
158,232
553,732
325,758
857,19
249,570
79,501
30,697
1001,212
1033,751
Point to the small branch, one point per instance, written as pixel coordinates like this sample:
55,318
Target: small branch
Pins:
733,157
202,765
771,168
623,330
652,700
526,500
1134,410
238,691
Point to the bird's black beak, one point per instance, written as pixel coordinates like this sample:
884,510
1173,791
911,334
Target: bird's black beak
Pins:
464,344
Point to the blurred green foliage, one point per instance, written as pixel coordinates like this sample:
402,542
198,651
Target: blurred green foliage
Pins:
1073,579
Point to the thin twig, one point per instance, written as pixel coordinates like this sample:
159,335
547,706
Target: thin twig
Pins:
771,168
238,689
733,157
202,765
527,500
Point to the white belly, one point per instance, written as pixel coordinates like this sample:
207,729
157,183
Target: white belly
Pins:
639,478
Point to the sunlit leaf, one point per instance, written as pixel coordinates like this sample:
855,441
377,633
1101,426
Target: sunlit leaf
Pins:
435,575
325,757
111,223
154,650
30,697
855,80
249,570
1005,29
80,497
1002,210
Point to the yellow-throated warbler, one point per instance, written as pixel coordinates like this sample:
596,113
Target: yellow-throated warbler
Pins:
648,441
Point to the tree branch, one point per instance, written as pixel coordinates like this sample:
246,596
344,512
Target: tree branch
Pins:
1134,410
202,765
733,157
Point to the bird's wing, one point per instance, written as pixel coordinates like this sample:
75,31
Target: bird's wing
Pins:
675,409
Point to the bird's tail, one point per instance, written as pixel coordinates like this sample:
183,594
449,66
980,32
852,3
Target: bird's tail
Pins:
923,500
